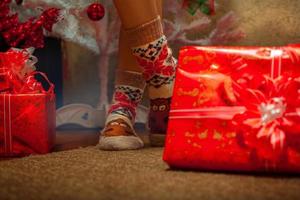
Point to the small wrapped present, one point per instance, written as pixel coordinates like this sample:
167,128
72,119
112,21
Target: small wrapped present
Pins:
27,110
236,109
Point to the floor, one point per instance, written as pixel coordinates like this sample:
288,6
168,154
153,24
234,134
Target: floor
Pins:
78,170
72,139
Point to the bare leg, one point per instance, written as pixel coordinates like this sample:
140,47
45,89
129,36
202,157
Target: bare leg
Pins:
136,12
126,59
159,4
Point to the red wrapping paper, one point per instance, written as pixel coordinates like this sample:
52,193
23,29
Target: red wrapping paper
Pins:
27,111
4,85
27,124
236,109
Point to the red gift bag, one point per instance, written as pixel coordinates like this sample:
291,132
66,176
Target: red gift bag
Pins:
27,124
4,86
27,110
236,109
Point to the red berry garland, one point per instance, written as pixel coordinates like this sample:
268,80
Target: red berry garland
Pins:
14,33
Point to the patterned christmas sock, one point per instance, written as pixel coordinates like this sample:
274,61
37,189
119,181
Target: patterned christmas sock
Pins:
149,46
118,133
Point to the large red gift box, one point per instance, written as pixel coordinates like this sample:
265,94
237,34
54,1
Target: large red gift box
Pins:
236,109
27,110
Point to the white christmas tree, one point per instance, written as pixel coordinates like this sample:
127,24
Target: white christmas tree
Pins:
102,38
183,28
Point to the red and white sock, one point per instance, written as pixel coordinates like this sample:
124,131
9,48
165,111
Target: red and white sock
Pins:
118,133
150,48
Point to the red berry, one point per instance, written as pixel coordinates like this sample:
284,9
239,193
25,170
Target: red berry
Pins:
95,11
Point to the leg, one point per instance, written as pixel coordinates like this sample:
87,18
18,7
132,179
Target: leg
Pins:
149,46
143,35
136,12
126,60
159,5
118,133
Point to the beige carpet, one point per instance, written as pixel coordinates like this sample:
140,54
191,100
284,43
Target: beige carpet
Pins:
88,173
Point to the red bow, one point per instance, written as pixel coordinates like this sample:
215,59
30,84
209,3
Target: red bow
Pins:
18,71
271,116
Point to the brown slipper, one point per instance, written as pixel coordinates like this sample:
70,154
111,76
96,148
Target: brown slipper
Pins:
119,135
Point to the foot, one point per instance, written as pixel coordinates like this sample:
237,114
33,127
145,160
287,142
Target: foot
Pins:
158,120
119,135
